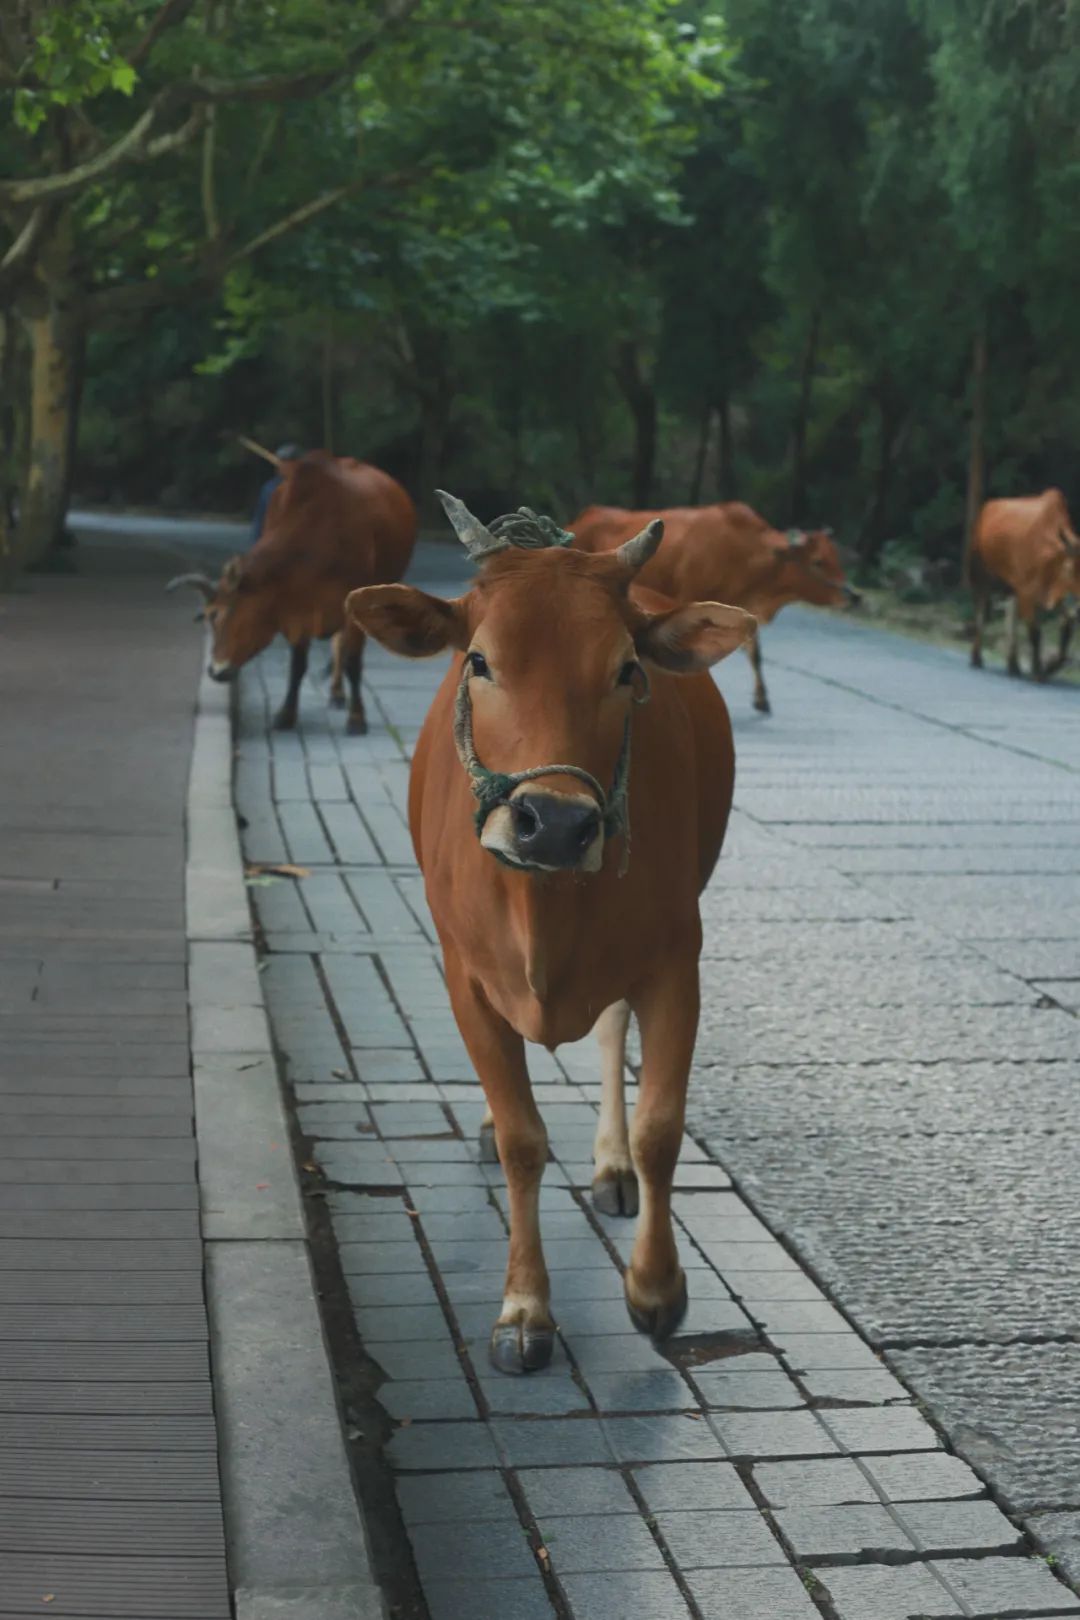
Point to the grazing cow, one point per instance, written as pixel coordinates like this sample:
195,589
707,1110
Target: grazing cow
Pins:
728,553
333,524
561,727
1027,547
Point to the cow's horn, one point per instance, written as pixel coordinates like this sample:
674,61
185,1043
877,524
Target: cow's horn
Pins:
199,582
477,539
635,553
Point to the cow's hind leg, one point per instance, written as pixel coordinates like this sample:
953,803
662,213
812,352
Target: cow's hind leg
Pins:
353,661
981,598
614,1188
285,719
1035,641
1012,626
523,1338
667,1011
753,652
1068,625
337,681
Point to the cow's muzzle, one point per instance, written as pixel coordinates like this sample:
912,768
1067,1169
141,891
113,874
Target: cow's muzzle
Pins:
852,597
222,672
555,831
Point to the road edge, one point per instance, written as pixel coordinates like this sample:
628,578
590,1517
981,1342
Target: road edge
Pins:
297,1543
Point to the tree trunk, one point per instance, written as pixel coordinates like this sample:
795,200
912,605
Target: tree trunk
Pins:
328,380
802,419
726,480
56,341
640,395
9,476
435,405
702,456
891,437
976,480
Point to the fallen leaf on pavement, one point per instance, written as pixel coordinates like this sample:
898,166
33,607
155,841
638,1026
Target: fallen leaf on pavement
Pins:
276,869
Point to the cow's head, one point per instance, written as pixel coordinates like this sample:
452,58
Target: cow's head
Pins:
554,654
239,611
813,563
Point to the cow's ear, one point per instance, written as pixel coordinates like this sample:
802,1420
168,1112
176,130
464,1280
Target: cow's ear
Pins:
689,639
408,621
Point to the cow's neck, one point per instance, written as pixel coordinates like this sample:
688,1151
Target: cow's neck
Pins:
547,927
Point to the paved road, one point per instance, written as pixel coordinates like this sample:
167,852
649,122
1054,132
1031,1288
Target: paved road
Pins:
890,1057
886,1063
110,1499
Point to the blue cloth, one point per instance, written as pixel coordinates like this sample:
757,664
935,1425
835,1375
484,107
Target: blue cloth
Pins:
261,505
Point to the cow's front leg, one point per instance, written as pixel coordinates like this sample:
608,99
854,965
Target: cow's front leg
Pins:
523,1338
337,678
614,1187
667,1012
753,652
1012,632
285,719
1068,624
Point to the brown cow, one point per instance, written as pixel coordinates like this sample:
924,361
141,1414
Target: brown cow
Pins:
728,553
333,524
1028,547
560,726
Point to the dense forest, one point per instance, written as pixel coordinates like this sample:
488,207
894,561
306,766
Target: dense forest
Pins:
817,254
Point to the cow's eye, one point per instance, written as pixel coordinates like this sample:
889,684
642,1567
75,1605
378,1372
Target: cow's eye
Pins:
628,672
478,665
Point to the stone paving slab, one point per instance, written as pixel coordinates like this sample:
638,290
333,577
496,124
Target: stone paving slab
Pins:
738,1473
110,1501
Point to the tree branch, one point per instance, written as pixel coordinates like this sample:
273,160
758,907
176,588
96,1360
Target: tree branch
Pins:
170,14
289,222
209,189
20,255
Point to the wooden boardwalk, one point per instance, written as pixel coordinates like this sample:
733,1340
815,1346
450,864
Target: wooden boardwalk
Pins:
109,1494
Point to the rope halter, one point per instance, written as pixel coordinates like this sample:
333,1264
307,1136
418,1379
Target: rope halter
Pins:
494,788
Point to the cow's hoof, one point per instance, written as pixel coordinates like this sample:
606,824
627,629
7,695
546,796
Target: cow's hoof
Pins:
615,1192
659,1321
1013,670
976,660
518,1348
284,720
337,700
489,1153
356,726
762,705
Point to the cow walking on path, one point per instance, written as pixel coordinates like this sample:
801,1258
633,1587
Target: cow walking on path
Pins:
1026,546
568,801
332,525
727,553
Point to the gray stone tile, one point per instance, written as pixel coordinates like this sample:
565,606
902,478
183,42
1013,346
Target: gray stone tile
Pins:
369,1259
421,1358
828,1352
644,1592
1012,1586
772,1434
488,1600
379,1323
813,1484
443,1446
857,1531
434,1498
735,1389
706,1539
428,1398
889,1592
957,1527
684,1485
615,1352
778,1317
490,1550
751,1594
893,1428
867,1388
411,1288
391,1225
551,1442
640,1392
554,1493
776,1285
547,1395
661,1439
608,1541
925,1476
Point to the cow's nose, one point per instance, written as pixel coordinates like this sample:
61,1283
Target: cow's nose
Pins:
553,830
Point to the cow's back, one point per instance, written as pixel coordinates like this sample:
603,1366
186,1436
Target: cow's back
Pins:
1018,542
381,520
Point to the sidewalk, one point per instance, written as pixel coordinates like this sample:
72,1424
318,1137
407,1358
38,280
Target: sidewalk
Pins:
765,1466
110,1502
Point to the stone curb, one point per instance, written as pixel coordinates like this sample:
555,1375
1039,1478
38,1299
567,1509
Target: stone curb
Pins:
290,1505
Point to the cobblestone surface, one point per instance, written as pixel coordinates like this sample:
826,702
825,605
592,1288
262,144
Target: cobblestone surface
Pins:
767,1452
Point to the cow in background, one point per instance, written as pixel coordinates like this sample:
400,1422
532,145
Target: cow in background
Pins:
332,525
727,553
1027,547
553,919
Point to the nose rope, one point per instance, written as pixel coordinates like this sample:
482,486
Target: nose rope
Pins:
493,788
